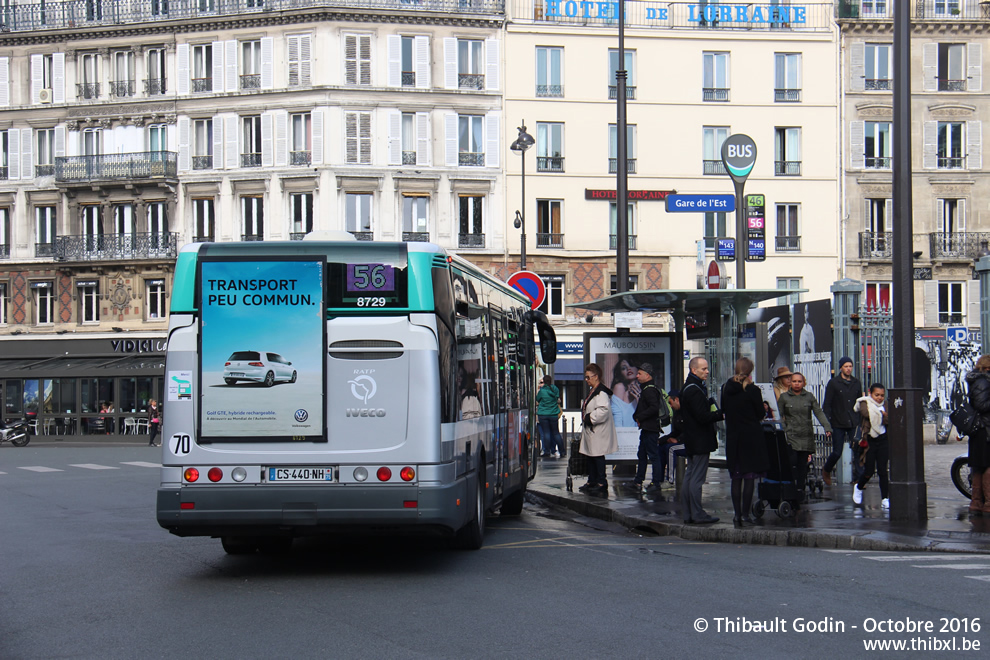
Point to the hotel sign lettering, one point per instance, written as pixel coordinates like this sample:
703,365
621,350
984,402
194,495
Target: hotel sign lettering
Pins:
631,195
704,14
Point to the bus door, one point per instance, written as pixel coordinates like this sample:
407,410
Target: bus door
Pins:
500,400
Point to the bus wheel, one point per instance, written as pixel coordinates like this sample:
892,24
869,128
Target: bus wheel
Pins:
472,535
239,545
513,504
269,379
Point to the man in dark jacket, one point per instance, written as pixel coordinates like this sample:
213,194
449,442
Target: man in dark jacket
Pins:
839,406
647,416
699,438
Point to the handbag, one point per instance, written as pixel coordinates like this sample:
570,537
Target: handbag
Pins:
966,419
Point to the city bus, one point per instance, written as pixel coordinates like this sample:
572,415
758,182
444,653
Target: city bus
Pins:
343,386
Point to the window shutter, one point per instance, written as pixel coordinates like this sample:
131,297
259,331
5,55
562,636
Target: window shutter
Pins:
350,137
961,210
37,78
931,304
317,136
292,46
929,68
857,66
423,138
450,139
5,81
365,135
27,153
364,55
394,48
350,59
973,308
305,60
974,145
218,142
185,163
60,141
974,68
492,134
227,64
13,154
58,78
217,73
857,145
267,63
929,158
394,137
281,138
888,215
182,69
267,146
230,140
450,63
492,59
421,53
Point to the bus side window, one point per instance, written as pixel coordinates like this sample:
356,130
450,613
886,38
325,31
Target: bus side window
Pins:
443,307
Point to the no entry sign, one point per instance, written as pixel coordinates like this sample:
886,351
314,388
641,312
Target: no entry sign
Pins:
530,285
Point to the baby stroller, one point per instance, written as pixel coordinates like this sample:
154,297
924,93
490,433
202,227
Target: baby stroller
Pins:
778,490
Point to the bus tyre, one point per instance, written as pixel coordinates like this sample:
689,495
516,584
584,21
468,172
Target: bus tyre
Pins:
472,535
239,545
513,504
269,379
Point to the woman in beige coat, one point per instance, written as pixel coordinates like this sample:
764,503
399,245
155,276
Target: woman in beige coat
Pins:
598,431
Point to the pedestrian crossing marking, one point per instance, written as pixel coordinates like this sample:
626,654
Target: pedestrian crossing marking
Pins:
141,464
927,557
39,468
93,466
958,567
982,578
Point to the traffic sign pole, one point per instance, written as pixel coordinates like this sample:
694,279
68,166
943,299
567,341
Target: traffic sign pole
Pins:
742,235
738,157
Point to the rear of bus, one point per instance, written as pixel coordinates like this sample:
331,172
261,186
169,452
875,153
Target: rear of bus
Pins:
345,432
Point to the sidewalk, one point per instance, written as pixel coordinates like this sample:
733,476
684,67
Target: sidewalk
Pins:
831,521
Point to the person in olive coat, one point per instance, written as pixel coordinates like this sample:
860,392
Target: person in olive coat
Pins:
745,446
797,405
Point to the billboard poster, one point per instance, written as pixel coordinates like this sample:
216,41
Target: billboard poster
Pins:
620,356
813,344
778,320
262,345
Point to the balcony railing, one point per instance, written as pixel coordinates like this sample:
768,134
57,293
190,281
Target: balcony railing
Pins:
613,165
143,165
788,243
613,241
44,249
471,81
297,235
88,90
951,162
87,13
202,85
713,167
300,157
926,11
876,245
363,235
786,95
408,157
416,236
877,162
202,162
250,160
252,237
471,159
613,92
958,245
251,81
549,163
550,91
154,86
879,84
4,251
471,240
408,78
787,168
115,246
544,240
44,170
3,173
947,85
715,94
122,88
207,238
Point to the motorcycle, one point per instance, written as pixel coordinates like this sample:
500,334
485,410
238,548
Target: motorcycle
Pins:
16,434
961,477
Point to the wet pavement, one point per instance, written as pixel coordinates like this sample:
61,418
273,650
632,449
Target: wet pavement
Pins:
828,521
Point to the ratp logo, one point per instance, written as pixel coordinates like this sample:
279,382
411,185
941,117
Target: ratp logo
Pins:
301,415
363,388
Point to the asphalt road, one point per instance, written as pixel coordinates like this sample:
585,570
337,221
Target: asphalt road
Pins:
85,572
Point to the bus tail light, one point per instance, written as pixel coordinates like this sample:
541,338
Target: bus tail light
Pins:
407,474
187,505
215,474
384,474
410,504
191,475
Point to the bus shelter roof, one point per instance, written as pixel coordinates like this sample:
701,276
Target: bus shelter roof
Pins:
691,301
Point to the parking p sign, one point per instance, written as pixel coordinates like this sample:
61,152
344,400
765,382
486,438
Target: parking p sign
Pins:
958,334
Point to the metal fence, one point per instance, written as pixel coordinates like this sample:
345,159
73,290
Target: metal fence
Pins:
876,346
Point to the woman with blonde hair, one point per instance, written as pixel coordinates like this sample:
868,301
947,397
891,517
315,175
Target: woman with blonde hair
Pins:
598,436
978,383
745,447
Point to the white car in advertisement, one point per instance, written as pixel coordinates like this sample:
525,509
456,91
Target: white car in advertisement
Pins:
258,367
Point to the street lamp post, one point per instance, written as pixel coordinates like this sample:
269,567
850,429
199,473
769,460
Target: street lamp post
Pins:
522,144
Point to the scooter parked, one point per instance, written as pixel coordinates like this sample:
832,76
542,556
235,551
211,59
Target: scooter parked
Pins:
15,433
961,477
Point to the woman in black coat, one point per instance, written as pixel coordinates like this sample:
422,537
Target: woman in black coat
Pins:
745,448
978,382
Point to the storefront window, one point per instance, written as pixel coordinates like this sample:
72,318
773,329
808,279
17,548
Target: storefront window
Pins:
14,399
95,393
128,395
31,397
143,393
60,395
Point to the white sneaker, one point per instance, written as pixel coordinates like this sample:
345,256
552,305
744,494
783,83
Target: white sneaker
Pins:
857,494
556,454
885,503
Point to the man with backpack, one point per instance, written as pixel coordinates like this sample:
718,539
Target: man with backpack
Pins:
652,413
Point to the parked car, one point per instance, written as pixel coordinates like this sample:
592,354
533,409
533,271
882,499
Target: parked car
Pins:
258,367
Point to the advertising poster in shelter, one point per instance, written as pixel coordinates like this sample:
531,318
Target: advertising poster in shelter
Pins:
620,357
262,348
813,344
778,320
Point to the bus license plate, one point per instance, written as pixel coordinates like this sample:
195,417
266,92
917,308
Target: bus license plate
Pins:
298,474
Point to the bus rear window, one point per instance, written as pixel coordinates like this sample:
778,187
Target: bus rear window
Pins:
367,285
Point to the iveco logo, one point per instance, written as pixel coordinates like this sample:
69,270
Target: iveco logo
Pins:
365,412
363,388
301,415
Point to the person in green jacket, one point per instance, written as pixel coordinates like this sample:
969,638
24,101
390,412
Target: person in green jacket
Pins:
796,406
548,414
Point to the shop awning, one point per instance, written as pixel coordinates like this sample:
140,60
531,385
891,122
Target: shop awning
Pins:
70,367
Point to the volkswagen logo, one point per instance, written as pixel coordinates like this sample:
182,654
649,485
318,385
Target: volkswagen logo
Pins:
301,415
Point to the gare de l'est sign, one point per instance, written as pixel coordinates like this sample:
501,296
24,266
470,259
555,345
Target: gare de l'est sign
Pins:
697,13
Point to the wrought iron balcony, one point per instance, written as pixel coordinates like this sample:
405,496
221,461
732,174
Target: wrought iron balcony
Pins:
416,236
408,78
878,162
252,237
959,245
300,157
125,167
471,240
613,165
202,162
103,247
363,235
122,88
787,168
876,245
715,94
951,162
613,92
471,81
4,251
471,159
208,238
550,91
788,243
43,249
3,173
545,240
44,170
251,81
549,163
250,160
88,90
202,85
408,157
714,167
297,235
613,241
786,95
154,86
947,85
879,84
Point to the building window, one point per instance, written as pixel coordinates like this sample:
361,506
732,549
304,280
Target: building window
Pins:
88,72
158,225
202,68
44,236
549,71
251,141
714,228
156,299
788,233
712,138
874,7
950,303
415,218
878,66
357,215
45,152
787,151
301,211
157,140
950,145
92,141
877,296
875,241
203,216
951,74
3,303
613,66
553,304
549,147
155,83
253,218
202,144
613,148
787,77
407,64
548,227
123,84
408,138
715,85
471,231
613,287
789,283
357,59
470,64
300,55
89,302
613,225
357,133
251,64
4,233
470,140
123,224
44,303
301,151
47,71
4,155
877,137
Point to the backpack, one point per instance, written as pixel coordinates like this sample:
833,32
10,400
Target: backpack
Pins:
666,412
